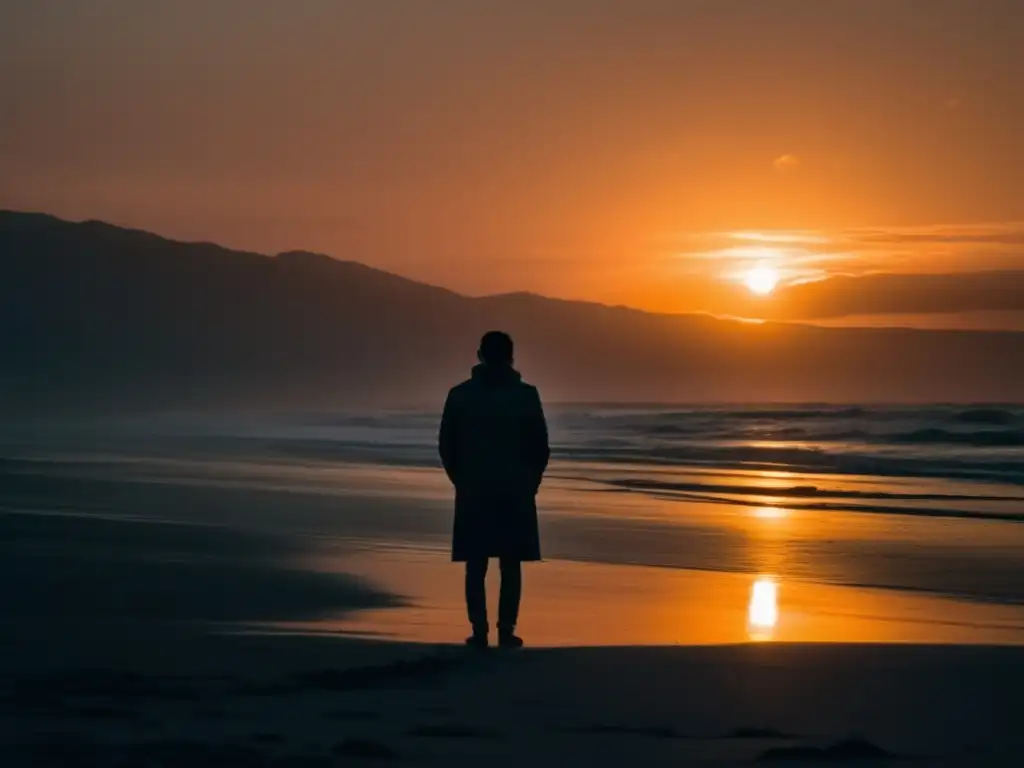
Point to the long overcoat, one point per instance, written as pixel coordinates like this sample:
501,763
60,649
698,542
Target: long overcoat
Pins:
493,443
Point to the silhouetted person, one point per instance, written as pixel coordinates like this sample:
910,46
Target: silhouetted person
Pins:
494,446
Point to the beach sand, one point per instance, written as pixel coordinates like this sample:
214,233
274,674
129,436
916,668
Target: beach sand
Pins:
159,696
171,693
160,623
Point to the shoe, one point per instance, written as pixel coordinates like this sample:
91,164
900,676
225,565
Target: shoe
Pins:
478,640
509,640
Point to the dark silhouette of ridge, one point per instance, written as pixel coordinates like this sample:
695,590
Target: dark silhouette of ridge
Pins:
93,315
893,294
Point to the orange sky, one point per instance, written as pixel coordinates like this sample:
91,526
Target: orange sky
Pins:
578,148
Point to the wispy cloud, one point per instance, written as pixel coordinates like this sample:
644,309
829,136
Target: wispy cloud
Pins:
783,237
1003,234
806,255
787,164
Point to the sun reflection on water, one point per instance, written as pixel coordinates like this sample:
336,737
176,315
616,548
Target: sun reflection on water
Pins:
770,513
763,610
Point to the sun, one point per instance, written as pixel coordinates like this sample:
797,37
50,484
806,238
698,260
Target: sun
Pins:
761,280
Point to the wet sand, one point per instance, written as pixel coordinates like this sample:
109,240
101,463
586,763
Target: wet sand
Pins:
569,603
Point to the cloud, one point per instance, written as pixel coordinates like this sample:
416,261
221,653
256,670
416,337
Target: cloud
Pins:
785,237
947,248
1010,233
924,270
787,164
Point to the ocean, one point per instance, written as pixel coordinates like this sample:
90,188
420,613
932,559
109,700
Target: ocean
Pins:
916,499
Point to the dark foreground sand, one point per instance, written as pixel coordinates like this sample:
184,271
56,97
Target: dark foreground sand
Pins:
103,695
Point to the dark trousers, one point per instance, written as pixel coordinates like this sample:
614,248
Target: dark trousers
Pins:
508,601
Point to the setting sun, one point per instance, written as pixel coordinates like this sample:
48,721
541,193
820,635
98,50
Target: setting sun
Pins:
761,280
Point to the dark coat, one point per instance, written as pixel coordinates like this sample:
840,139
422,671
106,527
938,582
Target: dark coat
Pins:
494,446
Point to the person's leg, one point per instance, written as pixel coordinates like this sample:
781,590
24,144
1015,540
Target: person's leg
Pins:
511,592
476,595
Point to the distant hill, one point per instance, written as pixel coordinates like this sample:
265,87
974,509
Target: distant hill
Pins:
895,294
94,315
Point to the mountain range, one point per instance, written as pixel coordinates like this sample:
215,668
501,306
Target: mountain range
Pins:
97,316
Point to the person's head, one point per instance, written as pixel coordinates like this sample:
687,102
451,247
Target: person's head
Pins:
495,348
